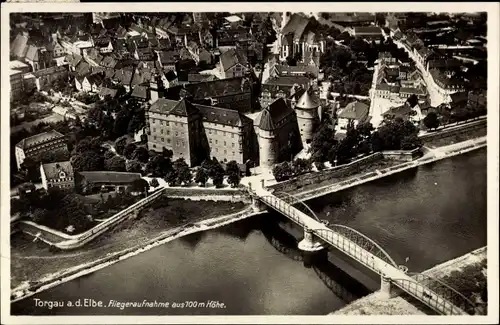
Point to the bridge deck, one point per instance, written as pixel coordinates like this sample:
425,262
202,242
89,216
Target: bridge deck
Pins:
371,261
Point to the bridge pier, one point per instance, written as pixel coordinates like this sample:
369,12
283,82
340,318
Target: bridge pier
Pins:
313,251
386,288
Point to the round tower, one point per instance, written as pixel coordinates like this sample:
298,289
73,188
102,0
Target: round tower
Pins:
307,114
264,128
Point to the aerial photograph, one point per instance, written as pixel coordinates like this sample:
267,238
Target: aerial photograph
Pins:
248,163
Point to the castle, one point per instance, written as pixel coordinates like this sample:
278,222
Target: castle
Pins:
283,127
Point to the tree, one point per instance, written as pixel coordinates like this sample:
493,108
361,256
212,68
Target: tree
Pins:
301,166
109,154
87,161
216,173
139,185
116,164
31,168
282,171
129,150
158,165
319,165
431,120
133,166
201,176
234,173
120,144
182,170
172,178
141,154
154,183
410,142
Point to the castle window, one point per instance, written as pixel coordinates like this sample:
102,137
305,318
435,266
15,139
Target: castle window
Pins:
176,134
225,144
233,153
232,145
216,141
168,141
162,139
166,123
154,137
168,132
161,131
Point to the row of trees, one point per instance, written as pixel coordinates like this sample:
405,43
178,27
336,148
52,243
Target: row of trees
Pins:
444,115
287,170
396,134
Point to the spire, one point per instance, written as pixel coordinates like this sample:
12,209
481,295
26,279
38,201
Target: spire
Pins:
308,100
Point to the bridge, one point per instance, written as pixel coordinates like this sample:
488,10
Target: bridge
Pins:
435,294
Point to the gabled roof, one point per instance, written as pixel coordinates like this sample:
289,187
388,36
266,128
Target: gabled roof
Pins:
123,76
108,92
296,26
163,105
233,57
269,117
53,170
399,111
369,30
110,177
32,53
38,138
168,57
355,110
140,92
217,88
19,46
109,62
223,116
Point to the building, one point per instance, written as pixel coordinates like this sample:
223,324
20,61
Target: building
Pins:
57,174
234,63
196,132
232,93
353,114
19,66
45,77
367,32
306,109
404,112
297,36
282,87
277,133
33,146
105,181
16,84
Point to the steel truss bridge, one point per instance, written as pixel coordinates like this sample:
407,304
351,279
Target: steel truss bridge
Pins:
434,293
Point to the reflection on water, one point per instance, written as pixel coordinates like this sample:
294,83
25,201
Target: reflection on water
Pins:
430,215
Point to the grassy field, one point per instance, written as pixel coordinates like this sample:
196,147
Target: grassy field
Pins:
32,261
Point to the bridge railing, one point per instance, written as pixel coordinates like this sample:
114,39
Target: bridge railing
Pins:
446,291
428,297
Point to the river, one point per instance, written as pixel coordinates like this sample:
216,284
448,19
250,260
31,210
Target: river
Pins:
431,214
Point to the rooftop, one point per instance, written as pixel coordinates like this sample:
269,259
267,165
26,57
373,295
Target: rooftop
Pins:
38,139
110,177
355,111
270,116
53,170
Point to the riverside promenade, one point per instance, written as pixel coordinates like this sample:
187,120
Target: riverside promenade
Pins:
430,156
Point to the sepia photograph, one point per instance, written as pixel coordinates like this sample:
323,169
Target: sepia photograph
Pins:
211,163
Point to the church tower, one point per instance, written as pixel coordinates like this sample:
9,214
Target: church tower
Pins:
307,114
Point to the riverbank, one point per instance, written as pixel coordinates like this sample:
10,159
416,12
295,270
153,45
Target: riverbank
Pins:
34,261
374,171
377,304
